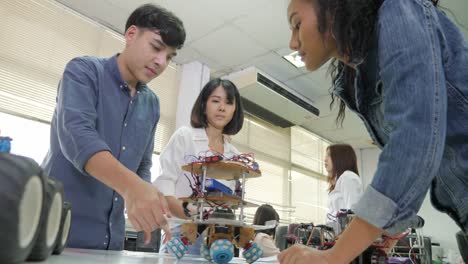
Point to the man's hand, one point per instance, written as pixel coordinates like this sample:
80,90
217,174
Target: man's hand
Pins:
147,209
300,254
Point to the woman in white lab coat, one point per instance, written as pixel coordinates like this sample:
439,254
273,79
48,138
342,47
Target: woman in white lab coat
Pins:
216,114
345,186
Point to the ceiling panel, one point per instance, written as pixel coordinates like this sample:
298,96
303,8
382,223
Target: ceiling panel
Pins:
229,46
270,33
186,55
103,11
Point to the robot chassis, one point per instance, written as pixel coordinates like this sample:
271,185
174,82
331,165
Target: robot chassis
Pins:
222,232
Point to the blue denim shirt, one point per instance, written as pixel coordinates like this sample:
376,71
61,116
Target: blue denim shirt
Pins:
95,112
411,91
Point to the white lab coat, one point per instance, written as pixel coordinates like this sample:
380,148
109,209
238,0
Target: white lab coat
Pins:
347,192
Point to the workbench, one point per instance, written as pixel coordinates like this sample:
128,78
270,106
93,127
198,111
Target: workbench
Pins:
86,256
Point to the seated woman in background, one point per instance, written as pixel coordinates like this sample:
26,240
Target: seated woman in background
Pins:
266,238
345,186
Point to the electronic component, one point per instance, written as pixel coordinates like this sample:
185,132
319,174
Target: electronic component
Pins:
212,185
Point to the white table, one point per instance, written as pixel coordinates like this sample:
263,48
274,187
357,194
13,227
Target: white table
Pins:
86,256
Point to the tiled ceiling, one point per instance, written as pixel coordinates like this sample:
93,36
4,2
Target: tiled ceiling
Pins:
232,35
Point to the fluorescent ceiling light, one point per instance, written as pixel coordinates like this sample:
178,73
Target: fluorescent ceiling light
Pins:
294,59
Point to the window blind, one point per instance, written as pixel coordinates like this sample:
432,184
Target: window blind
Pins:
38,38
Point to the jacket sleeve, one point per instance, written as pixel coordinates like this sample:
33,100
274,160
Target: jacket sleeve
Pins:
415,109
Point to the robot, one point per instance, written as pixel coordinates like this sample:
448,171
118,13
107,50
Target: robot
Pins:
215,212
5,144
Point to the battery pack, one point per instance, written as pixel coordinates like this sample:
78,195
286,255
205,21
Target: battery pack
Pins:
212,185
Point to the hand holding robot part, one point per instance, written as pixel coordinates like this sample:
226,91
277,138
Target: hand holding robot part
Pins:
147,209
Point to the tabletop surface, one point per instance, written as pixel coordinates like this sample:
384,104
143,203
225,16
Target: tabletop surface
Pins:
82,256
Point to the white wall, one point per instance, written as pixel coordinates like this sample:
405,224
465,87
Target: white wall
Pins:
439,226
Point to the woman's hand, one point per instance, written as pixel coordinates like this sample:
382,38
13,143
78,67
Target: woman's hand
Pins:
300,254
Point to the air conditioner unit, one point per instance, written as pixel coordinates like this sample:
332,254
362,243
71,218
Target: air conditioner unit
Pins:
271,100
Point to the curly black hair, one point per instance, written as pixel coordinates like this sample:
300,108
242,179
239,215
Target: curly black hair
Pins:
352,23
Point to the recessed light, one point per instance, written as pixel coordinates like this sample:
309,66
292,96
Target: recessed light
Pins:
294,59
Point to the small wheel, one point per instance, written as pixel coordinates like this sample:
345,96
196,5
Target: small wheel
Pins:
253,253
205,252
22,187
176,247
50,222
64,231
221,251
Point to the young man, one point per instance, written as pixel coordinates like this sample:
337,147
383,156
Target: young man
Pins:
102,133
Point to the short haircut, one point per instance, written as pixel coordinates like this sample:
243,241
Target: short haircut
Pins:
198,118
263,214
151,16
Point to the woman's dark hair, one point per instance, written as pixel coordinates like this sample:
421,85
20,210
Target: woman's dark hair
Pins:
352,24
343,158
263,214
151,16
198,118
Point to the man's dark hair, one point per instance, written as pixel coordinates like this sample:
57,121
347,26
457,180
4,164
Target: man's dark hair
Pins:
150,16
198,117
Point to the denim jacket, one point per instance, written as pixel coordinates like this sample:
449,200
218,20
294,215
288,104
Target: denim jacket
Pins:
411,91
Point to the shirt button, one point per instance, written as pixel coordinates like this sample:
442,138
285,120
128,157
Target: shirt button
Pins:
105,243
123,148
131,102
125,125
110,224
116,199
121,86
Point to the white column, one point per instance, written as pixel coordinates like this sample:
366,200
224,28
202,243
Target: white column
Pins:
193,76
368,157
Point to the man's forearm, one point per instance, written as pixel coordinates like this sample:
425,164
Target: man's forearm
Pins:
354,240
107,169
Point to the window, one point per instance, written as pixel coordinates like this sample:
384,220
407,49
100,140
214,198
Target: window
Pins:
30,138
292,165
271,147
39,38
308,150
309,196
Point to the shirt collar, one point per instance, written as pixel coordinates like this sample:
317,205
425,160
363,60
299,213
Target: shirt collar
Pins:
117,75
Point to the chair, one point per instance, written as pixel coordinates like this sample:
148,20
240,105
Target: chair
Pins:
280,237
